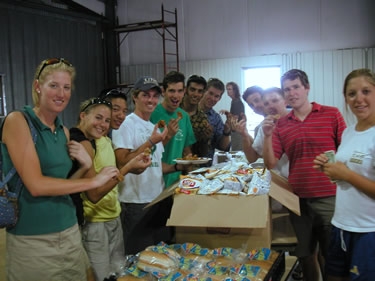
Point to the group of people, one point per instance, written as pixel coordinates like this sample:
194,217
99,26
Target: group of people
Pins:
85,192
336,227
85,189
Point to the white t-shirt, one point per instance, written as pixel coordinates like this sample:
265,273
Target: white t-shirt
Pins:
145,187
282,166
354,210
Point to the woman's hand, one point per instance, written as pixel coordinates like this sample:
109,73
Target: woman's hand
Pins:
319,161
335,171
78,152
106,174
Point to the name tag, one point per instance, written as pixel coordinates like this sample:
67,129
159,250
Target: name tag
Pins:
357,157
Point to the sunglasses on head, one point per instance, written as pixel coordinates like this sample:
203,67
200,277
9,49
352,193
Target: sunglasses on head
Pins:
51,62
113,93
96,101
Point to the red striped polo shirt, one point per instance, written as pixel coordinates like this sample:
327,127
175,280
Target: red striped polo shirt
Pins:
302,141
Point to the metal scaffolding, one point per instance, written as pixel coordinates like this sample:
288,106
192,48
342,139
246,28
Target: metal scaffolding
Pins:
166,29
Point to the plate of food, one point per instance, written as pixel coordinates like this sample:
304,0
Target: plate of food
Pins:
192,160
182,161
201,160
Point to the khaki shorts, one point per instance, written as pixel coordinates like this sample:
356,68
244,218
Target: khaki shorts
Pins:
56,256
104,244
313,227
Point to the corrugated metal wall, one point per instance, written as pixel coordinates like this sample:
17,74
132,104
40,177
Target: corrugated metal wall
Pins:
326,71
27,36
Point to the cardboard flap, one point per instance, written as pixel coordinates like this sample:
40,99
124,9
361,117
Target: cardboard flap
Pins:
280,191
281,181
166,193
229,211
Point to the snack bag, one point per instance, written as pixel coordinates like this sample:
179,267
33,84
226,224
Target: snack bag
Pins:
211,186
260,183
232,183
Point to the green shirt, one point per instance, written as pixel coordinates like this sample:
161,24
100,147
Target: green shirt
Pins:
175,147
44,214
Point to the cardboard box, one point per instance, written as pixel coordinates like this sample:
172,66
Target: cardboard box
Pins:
228,221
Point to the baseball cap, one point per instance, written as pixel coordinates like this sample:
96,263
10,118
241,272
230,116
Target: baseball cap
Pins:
146,83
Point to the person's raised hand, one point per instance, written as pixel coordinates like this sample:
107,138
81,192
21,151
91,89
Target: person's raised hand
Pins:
106,174
158,136
223,111
268,125
140,163
173,127
241,127
78,152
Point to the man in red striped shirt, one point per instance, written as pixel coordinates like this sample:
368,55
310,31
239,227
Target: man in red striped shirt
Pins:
308,130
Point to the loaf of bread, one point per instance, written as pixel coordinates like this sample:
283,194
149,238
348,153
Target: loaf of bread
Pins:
156,262
171,253
176,263
198,258
263,264
224,261
273,257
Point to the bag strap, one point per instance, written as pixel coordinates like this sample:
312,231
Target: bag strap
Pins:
12,172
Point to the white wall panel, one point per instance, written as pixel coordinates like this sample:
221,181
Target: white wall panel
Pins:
213,29
326,71
371,58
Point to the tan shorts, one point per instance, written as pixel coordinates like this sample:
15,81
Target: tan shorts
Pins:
104,244
56,256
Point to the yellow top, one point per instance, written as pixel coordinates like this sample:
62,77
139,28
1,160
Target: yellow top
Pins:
108,208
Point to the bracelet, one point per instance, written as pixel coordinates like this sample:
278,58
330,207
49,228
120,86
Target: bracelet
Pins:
226,134
175,167
152,144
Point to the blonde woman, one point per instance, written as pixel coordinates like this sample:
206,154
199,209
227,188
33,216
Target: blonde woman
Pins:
46,242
